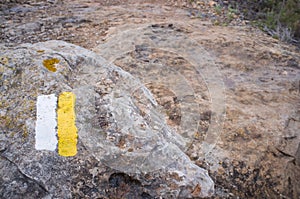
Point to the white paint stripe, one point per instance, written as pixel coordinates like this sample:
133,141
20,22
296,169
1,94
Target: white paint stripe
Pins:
45,129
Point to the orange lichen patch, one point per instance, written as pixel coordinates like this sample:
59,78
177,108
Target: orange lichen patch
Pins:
50,64
197,190
197,135
66,129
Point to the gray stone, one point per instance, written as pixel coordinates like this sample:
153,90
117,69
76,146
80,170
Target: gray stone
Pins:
121,130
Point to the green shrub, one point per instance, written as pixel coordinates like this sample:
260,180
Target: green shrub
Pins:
280,18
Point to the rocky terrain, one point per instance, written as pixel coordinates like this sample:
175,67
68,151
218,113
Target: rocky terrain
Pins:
220,94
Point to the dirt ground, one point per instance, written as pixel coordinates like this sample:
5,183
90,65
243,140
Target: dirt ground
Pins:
257,153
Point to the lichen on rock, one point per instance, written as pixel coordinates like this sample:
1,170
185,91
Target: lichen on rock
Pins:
50,64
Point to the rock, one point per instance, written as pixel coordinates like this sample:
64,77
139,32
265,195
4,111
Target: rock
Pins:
256,154
120,130
28,27
148,49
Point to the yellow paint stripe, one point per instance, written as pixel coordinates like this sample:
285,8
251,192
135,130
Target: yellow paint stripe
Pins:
66,128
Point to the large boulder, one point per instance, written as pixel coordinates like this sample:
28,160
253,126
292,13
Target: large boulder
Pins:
123,139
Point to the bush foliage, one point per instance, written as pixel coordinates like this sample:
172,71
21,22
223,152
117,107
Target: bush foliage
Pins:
280,18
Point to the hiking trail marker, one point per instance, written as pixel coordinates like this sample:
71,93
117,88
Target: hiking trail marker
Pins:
55,124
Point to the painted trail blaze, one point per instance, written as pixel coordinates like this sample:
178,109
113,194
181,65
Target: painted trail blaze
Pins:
66,128
45,137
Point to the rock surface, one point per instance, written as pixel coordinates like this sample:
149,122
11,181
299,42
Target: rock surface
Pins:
111,122
256,86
